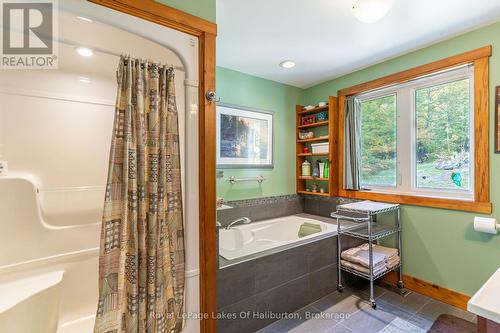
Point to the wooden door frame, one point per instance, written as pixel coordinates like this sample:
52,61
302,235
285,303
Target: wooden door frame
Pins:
206,33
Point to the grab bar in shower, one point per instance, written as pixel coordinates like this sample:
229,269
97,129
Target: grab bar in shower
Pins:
71,188
233,179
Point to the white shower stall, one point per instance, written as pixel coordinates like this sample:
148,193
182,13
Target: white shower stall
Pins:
55,133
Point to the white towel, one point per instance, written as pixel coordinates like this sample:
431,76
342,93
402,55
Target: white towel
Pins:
388,252
363,269
393,262
382,256
360,256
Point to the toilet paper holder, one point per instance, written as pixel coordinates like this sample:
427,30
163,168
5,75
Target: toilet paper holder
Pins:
486,224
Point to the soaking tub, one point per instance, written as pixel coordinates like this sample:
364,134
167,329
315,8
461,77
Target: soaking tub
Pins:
261,238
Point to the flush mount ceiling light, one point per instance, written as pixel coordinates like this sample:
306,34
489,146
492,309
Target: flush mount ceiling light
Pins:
84,19
84,51
287,64
84,79
371,11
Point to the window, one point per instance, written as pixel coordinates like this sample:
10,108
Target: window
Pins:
417,137
378,141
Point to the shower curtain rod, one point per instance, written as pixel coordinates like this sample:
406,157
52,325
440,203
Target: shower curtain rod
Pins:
96,49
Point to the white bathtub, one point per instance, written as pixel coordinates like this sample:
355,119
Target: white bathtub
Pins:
249,239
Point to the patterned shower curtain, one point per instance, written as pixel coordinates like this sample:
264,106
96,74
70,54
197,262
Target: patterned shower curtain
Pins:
141,262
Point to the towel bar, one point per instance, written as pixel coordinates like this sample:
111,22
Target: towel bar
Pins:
234,179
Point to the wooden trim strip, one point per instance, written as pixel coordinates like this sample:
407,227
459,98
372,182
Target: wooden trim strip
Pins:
461,205
162,14
333,118
464,58
481,131
300,186
430,289
207,188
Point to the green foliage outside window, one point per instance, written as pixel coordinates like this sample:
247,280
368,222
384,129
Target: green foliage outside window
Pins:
442,137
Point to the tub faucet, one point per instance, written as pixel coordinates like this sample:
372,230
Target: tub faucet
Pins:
243,220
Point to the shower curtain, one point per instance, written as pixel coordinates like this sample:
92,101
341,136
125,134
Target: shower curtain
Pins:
141,262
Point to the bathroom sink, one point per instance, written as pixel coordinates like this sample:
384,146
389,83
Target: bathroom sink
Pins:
486,303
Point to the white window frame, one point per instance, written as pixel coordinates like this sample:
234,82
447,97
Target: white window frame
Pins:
406,159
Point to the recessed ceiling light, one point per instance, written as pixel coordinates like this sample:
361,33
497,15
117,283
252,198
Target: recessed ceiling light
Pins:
287,64
84,51
84,79
371,11
84,19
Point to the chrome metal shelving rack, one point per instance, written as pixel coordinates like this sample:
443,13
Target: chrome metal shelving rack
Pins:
365,214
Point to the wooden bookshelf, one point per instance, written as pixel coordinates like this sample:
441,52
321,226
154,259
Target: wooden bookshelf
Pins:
329,184
304,112
311,178
320,138
311,154
317,124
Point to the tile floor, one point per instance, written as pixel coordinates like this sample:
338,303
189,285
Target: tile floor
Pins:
350,312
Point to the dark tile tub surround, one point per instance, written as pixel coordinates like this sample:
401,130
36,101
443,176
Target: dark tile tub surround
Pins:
278,283
272,207
261,208
282,282
322,206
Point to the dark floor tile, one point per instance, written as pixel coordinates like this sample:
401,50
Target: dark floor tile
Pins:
339,328
393,309
426,316
410,303
422,322
282,326
276,269
341,305
362,290
399,325
368,320
434,308
308,320
235,283
230,320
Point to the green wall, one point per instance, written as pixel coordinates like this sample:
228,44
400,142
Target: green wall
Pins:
440,245
202,8
250,91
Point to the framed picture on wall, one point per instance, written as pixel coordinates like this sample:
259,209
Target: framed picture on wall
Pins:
244,137
497,120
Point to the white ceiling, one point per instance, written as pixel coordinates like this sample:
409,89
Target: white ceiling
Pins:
327,41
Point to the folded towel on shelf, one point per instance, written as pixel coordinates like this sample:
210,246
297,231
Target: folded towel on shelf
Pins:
362,269
361,256
307,229
388,252
393,262
382,256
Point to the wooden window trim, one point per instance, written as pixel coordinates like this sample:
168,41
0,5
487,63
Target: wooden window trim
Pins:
206,32
481,203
